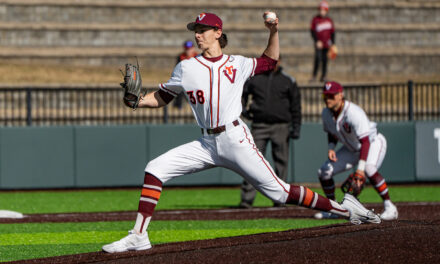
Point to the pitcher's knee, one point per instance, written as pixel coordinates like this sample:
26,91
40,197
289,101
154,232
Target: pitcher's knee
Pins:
279,197
155,168
326,171
279,200
151,179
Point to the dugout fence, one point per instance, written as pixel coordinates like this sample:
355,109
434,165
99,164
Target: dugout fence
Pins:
34,106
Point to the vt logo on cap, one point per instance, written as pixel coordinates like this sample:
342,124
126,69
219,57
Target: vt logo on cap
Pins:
201,16
209,19
328,86
332,88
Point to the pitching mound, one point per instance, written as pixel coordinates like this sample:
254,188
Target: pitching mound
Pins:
414,238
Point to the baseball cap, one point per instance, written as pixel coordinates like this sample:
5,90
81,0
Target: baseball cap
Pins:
208,19
332,88
324,5
188,44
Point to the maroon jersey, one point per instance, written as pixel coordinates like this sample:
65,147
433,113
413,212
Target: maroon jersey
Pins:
323,28
184,56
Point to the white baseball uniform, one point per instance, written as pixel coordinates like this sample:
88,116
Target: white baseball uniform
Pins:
349,127
214,91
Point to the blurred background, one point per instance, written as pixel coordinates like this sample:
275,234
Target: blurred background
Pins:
59,82
83,41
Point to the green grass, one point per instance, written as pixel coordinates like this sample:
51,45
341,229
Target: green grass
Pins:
37,240
171,199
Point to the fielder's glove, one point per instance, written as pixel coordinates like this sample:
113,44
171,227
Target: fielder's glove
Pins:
132,86
353,184
332,52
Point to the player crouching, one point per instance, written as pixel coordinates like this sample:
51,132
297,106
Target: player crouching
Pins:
363,146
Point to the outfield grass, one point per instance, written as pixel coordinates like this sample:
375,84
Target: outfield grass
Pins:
171,199
37,240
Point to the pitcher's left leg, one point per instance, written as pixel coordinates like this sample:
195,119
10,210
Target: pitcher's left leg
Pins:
245,159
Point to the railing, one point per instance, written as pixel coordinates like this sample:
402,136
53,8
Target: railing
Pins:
78,106
103,106
382,102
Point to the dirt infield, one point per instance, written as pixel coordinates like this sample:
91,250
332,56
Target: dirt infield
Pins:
407,211
414,238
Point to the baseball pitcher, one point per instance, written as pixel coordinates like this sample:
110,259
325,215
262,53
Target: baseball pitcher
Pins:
213,84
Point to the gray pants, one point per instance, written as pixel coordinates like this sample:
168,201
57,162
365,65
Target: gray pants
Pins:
278,135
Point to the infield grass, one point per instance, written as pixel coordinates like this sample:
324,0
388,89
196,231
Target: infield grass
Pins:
30,202
37,240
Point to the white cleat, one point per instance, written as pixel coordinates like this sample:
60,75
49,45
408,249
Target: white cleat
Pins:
358,213
326,215
390,212
131,242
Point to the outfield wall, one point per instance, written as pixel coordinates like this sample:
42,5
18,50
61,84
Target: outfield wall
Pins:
58,157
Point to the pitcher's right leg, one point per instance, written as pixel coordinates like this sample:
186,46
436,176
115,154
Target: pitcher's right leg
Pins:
188,158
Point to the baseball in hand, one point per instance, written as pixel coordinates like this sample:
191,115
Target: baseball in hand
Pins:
269,16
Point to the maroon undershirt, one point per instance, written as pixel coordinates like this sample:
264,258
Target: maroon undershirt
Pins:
264,64
365,147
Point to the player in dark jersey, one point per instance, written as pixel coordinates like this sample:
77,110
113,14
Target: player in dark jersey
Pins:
323,34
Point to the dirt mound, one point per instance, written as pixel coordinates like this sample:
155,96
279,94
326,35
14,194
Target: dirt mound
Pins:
409,211
400,241
414,238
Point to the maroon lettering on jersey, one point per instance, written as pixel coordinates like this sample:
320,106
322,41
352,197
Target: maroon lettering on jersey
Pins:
230,72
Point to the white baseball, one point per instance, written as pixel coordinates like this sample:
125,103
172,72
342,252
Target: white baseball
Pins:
270,17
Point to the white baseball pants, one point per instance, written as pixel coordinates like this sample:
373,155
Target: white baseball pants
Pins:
348,159
233,149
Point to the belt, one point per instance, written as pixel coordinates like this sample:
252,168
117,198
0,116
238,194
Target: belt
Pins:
218,130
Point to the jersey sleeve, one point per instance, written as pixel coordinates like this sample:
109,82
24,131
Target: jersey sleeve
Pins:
248,66
174,85
360,122
325,117
265,64
313,25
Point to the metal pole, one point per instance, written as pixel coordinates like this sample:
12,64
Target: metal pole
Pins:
165,114
410,100
28,107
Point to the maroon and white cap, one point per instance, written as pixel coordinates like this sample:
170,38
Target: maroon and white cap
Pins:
324,5
207,19
332,88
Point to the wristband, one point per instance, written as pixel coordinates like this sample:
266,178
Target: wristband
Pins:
361,165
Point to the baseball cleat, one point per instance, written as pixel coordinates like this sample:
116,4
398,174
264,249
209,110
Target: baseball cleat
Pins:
390,211
131,242
326,215
358,213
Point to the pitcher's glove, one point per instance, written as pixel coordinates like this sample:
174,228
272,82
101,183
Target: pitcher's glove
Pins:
132,86
353,184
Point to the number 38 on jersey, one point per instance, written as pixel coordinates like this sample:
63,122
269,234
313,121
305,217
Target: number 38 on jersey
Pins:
199,97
